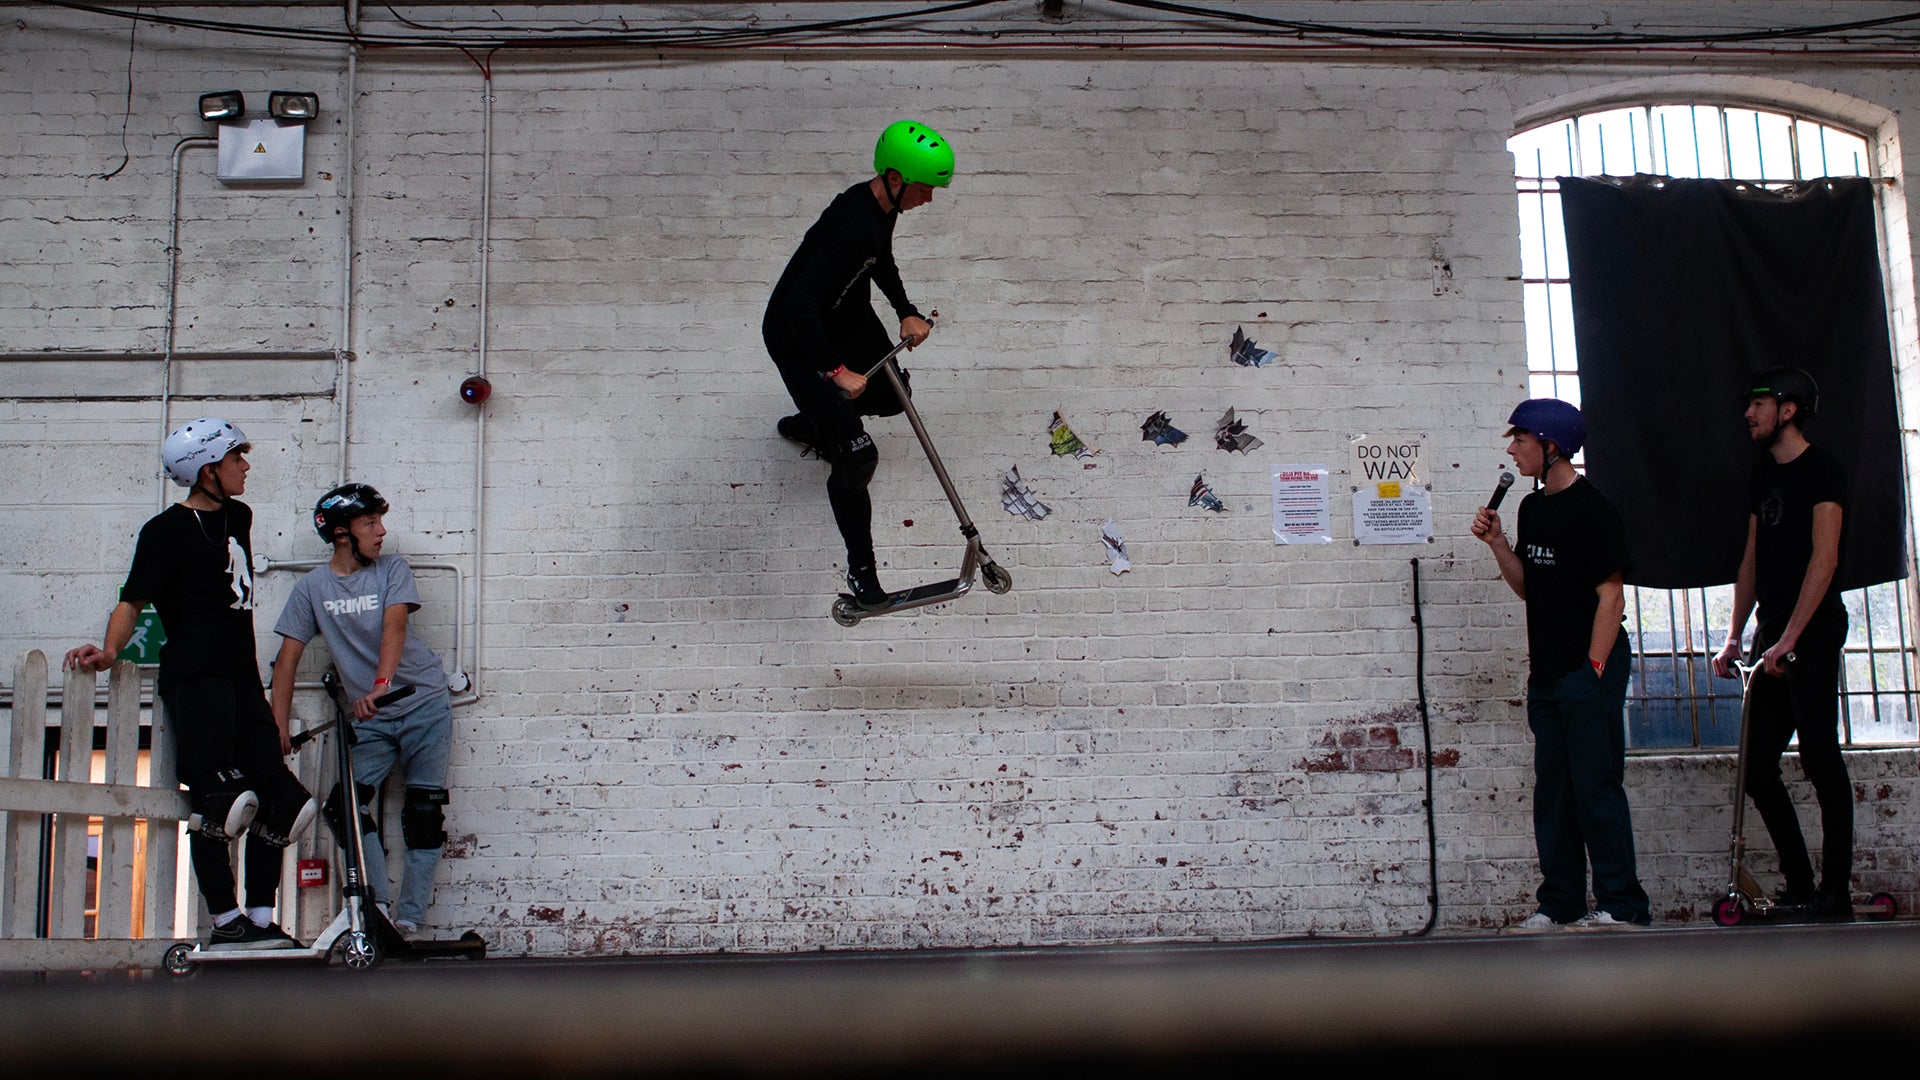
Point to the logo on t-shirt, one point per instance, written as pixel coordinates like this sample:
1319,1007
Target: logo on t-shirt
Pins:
1539,554
240,573
1771,508
352,605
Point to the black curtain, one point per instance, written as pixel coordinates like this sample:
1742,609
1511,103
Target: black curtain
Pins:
1682,290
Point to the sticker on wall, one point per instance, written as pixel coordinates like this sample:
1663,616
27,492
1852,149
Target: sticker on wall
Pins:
1202,496
1159,428
1066,442
1018,499
1245,353
1231,434
1116,548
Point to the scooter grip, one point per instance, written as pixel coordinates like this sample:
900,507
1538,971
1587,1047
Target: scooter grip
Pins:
387,699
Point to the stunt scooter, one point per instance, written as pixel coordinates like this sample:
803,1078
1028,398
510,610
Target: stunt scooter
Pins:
1743,899
360,934
846,610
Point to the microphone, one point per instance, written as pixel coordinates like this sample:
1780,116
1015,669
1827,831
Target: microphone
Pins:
1500,490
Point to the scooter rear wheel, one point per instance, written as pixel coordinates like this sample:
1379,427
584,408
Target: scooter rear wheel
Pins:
997,580
844,612
1728,911
1884,907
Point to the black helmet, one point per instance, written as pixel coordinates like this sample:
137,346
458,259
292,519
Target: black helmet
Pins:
337,508
1787,384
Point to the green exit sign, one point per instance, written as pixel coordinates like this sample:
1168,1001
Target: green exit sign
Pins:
148,636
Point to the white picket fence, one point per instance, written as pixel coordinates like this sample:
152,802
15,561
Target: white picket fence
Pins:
133,927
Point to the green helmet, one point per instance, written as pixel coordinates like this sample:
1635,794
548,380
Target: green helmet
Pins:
918,153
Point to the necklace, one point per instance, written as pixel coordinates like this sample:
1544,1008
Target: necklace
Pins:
197,520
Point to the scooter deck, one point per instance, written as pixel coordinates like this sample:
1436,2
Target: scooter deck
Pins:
468,946
919,593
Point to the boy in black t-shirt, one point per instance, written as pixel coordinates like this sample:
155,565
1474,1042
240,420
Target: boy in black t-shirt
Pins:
1794,526
1569,568
193,563
820,320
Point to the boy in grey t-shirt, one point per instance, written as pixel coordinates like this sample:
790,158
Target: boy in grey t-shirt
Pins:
360,602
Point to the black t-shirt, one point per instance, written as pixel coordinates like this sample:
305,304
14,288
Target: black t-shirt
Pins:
1569,542
826,282
196,568
1782,502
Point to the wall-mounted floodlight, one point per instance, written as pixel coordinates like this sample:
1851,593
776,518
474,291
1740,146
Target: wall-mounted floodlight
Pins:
222,105
293,105
270,149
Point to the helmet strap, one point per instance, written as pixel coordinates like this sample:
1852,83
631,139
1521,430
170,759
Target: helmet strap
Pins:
893,196
219,498
353,544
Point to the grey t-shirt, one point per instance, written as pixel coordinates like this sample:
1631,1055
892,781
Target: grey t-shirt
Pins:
350,611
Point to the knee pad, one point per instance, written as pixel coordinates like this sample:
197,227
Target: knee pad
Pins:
423,818
335,815
225,813
285,816
856,463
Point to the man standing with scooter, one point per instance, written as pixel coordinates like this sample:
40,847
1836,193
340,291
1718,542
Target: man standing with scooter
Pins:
1797,511
360,602
822,333
193,562
1569,568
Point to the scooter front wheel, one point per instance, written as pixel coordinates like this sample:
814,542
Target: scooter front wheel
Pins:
1882,907
178,960
1729,910
360,950
997,580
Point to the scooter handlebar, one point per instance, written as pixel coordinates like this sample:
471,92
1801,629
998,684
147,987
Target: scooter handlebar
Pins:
332,684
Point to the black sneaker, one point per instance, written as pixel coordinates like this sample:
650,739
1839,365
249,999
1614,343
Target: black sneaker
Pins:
864,583
241,933
1832,907
798,429
1796,899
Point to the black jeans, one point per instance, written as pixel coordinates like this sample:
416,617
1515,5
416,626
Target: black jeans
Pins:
1580,812
1805,699
836,421
221,725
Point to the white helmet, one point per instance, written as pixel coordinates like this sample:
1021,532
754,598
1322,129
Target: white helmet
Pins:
196,443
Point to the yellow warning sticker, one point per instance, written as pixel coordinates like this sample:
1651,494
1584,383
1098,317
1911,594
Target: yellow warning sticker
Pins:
260,148
1389,489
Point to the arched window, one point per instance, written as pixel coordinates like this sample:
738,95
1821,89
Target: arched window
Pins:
1675,702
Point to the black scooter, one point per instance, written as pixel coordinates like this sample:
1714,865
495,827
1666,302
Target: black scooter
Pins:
846,610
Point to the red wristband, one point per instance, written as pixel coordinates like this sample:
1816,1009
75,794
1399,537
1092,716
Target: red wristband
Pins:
1599,666
383,682
835,371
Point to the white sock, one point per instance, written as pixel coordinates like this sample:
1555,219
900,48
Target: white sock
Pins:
226,917
261,916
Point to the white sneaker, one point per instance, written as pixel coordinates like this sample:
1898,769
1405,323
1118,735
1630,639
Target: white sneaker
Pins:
1598,920
1536,923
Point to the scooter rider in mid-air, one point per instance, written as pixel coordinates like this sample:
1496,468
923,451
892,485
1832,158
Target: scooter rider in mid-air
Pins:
822,333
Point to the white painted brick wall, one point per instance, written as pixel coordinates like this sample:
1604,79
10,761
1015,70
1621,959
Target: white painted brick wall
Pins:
676,749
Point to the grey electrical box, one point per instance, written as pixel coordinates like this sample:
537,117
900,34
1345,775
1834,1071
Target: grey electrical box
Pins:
263,151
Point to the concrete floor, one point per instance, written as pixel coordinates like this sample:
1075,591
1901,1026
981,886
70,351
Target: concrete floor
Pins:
1559,1003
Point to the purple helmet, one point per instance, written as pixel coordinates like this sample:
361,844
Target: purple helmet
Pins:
1550,418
